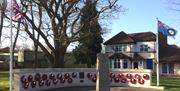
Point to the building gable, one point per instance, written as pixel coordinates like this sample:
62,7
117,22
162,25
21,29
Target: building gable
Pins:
120,38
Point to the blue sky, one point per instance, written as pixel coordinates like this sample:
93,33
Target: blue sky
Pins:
141,15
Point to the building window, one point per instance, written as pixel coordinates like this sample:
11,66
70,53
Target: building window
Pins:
171,68
168,68
119,48
143,48
141,64
164,68
137,65
118,64
115,64
112,48
125,64
124,48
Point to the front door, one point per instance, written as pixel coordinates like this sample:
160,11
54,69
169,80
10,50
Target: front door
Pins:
135,64
149,64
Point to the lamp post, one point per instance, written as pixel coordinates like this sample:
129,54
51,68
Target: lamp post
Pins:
11,51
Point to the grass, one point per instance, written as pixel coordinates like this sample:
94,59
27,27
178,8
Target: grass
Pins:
170,83
4,81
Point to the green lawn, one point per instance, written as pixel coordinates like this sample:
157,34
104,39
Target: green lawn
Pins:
4,81
170,83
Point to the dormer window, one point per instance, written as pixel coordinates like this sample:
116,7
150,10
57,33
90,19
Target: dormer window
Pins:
144,48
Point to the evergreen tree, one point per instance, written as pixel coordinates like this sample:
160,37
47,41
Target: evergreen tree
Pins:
90,36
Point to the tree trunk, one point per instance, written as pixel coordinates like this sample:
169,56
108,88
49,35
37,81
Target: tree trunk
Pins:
37,65
88,63
59,60
59,55
1,21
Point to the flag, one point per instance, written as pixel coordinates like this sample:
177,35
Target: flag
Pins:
16,9
20,10
166,30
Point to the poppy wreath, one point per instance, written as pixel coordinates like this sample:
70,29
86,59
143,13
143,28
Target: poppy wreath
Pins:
33,84
69,80
23,79
116,79
37,77
47,83
146,76
30,78
120,75
137,76
74,75
123,80
44,77
62,80
94,79
59,76
51,76
141,81
112,75
41,83
25,85
89,75
67,75
55,81
129,76
133,81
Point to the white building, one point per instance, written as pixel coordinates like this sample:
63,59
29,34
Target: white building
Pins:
138,51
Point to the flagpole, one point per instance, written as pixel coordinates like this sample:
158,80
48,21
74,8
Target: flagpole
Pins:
157,55
11,51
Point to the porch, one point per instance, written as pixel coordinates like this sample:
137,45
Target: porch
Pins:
122,61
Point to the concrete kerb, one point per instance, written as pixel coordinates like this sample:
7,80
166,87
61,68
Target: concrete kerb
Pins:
156,87
149,88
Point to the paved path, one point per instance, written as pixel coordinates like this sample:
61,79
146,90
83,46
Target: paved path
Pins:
94,89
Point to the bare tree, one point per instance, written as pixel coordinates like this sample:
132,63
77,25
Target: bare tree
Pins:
63,17
3,4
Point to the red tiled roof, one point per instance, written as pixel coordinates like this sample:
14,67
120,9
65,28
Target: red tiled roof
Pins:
119,55
136,56
144,36
122,38
169,53
4,50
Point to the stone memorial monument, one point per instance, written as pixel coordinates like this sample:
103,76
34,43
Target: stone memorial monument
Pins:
102,69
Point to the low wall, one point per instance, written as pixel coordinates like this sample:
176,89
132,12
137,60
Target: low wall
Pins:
47,78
